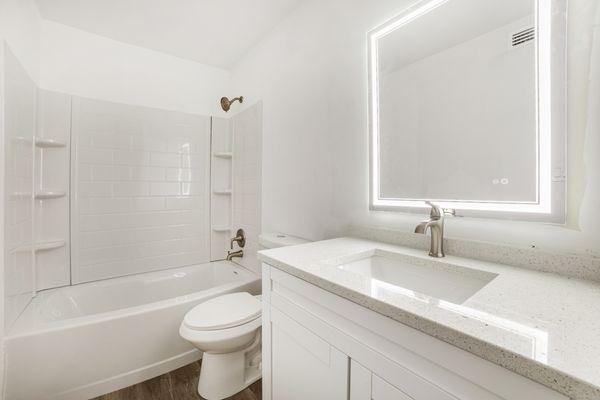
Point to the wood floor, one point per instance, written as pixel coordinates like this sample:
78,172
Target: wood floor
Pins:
181,384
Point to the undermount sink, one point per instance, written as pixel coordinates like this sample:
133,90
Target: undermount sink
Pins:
433,278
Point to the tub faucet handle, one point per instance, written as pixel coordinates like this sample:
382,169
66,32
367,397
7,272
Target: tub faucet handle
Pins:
240,238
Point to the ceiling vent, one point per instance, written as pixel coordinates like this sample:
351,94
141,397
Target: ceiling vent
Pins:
523,36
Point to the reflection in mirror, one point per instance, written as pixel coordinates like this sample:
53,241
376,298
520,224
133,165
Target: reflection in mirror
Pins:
455,107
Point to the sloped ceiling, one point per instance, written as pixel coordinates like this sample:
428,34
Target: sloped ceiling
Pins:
212,32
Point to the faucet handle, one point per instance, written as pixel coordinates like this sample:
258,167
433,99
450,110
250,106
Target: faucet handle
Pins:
450,211
436,211
240,238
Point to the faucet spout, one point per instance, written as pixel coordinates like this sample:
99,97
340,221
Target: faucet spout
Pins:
435,224
422,227
232,254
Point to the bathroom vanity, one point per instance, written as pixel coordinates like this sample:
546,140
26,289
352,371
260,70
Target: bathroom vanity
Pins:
355,319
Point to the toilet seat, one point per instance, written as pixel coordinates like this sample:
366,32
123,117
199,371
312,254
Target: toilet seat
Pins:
223,324
223,340
224,312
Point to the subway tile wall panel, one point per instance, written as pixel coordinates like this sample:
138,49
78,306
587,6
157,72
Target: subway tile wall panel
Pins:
140,189
247,177
52,166
221,180
19,129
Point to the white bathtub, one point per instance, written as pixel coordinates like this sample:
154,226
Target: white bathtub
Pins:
82,341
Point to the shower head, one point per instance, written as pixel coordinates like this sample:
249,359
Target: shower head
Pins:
226,103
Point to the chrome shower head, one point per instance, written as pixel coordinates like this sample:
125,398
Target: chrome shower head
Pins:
226,103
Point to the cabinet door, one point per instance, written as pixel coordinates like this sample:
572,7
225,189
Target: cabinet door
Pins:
364,385
381,390
304,366
360,382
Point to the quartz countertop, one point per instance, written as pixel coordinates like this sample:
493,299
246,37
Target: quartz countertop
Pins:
543,326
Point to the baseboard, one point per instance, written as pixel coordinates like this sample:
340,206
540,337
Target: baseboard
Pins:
129,378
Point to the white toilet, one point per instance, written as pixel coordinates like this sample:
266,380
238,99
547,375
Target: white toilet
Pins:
227,329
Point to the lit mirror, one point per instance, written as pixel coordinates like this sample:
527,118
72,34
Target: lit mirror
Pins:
460,110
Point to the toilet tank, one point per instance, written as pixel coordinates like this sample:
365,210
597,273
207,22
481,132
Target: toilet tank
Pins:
276,239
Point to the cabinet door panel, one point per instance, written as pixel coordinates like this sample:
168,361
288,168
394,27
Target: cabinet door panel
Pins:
304,366
360,382
384,391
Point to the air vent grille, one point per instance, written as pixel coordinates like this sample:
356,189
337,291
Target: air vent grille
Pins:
523,36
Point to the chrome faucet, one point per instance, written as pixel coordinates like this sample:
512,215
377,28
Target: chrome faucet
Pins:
436,226
232,254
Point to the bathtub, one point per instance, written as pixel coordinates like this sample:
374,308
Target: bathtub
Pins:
79,342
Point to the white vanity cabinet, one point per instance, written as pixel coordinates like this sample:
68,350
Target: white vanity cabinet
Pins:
304,366
320,346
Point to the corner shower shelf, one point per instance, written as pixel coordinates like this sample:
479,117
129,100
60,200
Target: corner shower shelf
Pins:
49,245
44,194
221,228
49,143
220,154
40,246
222,191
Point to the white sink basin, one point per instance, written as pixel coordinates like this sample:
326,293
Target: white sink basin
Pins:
431,278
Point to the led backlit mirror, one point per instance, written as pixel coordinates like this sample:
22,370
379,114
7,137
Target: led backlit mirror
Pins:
461,111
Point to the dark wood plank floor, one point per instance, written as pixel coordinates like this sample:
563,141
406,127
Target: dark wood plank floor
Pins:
181,384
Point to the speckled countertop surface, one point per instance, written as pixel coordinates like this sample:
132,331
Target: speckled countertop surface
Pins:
540,325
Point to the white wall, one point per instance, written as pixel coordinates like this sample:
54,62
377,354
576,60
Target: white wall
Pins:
88,65
290,72
20,27
311,74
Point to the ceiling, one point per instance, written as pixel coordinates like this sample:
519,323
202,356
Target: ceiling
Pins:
212,32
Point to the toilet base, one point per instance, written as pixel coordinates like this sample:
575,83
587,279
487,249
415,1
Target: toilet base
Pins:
223,375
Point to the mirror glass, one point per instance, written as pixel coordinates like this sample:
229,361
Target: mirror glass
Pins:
455,103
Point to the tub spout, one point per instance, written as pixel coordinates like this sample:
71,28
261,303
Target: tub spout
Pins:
232,254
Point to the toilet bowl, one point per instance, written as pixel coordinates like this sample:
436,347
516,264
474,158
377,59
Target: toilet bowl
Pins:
228,330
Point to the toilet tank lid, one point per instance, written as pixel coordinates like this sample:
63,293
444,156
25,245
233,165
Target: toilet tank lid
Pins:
276,239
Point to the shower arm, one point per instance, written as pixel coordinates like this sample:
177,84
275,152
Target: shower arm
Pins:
226,103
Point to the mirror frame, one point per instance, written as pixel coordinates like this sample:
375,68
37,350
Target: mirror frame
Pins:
551,24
